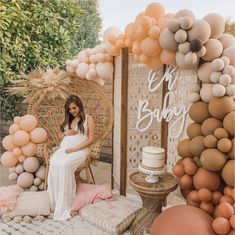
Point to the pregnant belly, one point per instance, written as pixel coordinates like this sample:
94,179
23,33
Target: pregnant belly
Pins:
72,141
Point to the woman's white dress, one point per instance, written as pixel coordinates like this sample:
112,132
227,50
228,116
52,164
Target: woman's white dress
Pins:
61,178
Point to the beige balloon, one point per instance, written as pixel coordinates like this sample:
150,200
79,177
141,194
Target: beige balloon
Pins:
217,24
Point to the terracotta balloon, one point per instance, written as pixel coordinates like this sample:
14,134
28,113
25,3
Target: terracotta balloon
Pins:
8,143
21,137
29,149
182,220
38,135
221,225
206,179
8,159
28,122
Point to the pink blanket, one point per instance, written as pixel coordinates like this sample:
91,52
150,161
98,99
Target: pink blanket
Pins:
88,194
8,197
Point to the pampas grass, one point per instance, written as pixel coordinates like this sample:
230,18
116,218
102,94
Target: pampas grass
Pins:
42,84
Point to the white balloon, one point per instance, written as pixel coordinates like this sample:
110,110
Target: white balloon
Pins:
206,92
218,90
193,97
230,90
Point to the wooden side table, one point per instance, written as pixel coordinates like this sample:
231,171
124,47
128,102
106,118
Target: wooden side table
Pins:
153,195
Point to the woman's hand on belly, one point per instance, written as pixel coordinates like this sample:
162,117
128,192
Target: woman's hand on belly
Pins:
70,150
70,132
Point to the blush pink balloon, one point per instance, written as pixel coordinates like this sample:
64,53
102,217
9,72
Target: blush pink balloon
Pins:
82,70
13,128
21,138
29,149
28,122
104,70
8,159
38,135
8,143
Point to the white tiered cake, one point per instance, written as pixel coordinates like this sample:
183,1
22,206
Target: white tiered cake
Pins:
153,158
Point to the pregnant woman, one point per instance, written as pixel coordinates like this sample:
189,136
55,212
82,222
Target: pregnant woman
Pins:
78,130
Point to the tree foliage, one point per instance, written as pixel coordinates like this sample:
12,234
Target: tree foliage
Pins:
34,33
89,26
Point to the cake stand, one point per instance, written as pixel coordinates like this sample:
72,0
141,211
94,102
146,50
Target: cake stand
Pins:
152,176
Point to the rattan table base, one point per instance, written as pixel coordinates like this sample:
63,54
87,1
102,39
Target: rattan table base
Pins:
152,196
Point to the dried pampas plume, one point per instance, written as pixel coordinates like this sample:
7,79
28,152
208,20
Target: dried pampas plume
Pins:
40,84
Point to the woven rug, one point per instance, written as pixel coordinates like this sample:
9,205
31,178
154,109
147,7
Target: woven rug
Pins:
73,226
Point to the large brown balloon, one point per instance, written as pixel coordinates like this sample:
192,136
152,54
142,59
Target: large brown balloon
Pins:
206,179
210,125
213,159
229,123
183,148
198,112
182,220
219,107
231,154
197,146
228,173
193,130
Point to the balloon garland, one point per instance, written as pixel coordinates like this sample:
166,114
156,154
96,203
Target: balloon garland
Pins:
24,167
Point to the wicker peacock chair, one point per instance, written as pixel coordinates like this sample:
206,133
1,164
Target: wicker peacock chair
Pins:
50,114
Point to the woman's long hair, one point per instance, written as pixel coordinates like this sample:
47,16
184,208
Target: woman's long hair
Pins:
69,117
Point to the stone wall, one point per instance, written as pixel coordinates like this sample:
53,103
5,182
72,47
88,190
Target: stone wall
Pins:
106,153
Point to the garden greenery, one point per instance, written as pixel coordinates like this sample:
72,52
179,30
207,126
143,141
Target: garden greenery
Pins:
38,33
